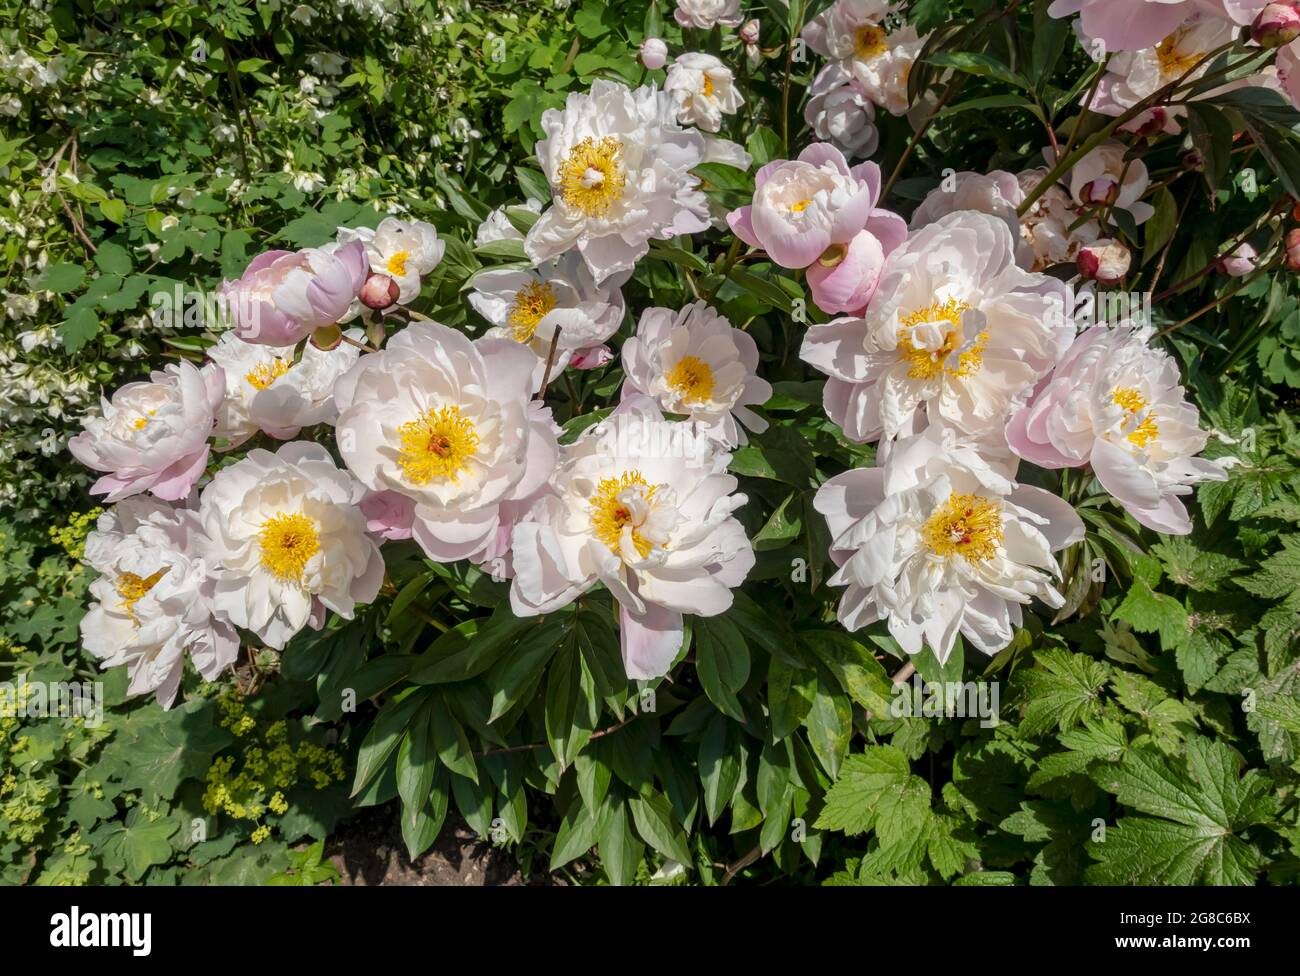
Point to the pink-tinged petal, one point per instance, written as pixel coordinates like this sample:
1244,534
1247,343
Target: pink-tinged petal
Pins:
788,245
868,173
849,285
1169,516
820,153
1123,477
765,172
1041,453
174,482
1129,26
1063,528
739,222
446,536
591,357
650,641
263,260
389,514
888,228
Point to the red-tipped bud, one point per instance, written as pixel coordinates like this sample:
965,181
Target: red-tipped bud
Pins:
1278,24
379,292
1105,261
749,33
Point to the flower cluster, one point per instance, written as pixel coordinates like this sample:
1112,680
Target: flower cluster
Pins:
952,349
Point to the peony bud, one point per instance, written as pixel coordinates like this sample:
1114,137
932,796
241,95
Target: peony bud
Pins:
1101,190
1239,262
1194,161
749,33
327,337
1293,249
1105,261
379,292
1277,25
654,53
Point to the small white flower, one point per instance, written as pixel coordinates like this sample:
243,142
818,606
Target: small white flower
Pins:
529,307
1105,176
703,89
266,390
694,363
286,541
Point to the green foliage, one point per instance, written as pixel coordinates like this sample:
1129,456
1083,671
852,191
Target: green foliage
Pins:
1149,733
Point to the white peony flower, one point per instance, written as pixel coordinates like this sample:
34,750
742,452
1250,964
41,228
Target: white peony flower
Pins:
937,543
404,250
267,391
840,113
619,168
530,306
286,540
449,423
706,14
694,363
997,193
1132,76
153,598
1117,404
954,327
703,89
852,33
653,524
153,435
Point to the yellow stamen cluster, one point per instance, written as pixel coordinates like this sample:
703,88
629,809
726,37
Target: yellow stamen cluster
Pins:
591,176
437,445
1132,403
531,305
396,264
288,541
264,374
926,364
969,526
692,379
869,42
1175,62
609,514
132,588
708,86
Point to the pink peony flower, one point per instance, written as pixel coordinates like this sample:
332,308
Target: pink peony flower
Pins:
284,296
153,435
815,212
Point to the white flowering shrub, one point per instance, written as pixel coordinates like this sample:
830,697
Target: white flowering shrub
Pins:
753,408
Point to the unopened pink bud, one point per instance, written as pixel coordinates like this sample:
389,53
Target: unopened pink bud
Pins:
1239,262
749,33
379,292
1278,24
654,53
